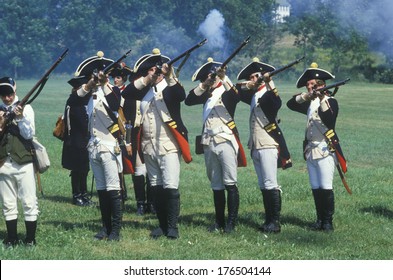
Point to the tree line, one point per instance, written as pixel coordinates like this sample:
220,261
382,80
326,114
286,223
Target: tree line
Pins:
35,33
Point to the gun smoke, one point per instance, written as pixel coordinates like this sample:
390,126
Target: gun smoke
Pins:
213,29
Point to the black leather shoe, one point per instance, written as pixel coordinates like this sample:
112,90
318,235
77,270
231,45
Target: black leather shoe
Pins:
215,228
78,200
140,209
272,227
87,201
8,243
327,227
317,225
229,228
150,208
30,243
156,233
114,236
101,235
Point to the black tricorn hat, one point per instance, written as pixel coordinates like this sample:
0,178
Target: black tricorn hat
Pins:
254,67
7,86
88,67
148,61
313,73
121,70
202,72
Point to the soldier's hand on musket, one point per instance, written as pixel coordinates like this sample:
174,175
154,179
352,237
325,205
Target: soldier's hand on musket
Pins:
129,149
267,78
151,76
91,84
102,78
221,72
208,83
18,111
166,70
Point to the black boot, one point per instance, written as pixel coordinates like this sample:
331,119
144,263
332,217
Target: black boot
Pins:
150,198
317,194
173,210
115,198
106,214
83,189
233,207
274,205
76,191
219,207
328,210
31,228
140,194
160,204
267,207
12,233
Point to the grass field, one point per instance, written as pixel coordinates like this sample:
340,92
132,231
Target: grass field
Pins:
363,221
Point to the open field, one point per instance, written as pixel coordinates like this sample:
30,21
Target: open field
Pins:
363,221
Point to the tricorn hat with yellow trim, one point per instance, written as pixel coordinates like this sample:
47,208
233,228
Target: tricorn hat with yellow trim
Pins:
254,67
313,73
88,67
7,86
207,68
121,70
148,61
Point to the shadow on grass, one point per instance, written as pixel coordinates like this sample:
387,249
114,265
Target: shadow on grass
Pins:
378,211
246,219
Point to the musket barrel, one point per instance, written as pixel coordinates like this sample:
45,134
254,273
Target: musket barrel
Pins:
190,50
242,45
340,83
283,68
107,69
9,116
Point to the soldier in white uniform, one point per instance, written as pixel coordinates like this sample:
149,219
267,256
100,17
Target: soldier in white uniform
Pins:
104,147
163,137
221,145
320,141
267,144
132,114
16,165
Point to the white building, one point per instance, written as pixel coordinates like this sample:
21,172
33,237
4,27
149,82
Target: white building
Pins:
283,10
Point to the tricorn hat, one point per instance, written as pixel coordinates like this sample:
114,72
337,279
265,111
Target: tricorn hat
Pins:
313,73
148,61
121,70
88,67
254,67
7,86
207,68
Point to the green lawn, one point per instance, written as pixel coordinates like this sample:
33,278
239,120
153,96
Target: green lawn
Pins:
363,221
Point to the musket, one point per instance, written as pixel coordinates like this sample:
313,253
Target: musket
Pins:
224,64
283,68
335,85
110,67
186,53
9,116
